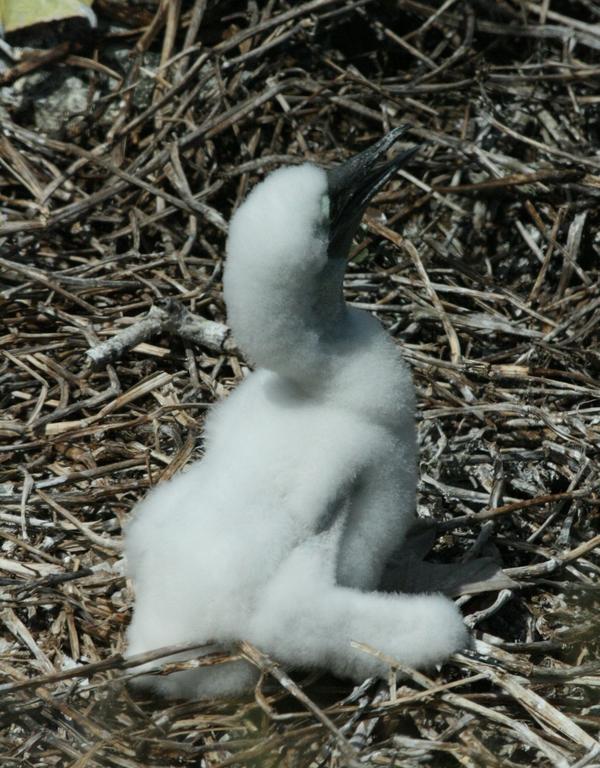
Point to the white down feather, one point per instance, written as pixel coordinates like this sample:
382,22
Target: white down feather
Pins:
279,535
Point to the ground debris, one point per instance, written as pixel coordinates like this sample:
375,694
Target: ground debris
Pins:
482,259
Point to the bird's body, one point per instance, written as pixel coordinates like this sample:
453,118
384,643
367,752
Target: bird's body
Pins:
280,534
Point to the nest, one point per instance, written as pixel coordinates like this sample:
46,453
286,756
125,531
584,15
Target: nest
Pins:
123,153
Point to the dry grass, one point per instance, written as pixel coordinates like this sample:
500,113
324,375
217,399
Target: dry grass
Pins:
485,270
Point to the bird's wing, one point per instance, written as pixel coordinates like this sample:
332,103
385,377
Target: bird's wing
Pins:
335,511
407,571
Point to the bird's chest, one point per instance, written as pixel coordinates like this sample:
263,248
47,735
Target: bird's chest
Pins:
298,450
288,456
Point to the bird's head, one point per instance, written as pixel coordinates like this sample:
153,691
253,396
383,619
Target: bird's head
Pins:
289,241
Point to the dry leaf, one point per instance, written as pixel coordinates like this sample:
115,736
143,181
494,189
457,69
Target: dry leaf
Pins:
18,14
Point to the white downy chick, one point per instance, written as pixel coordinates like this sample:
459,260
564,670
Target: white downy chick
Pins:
280,534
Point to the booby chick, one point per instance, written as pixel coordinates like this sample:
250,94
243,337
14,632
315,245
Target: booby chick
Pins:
280,534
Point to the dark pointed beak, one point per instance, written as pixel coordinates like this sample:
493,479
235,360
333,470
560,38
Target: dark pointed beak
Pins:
352,184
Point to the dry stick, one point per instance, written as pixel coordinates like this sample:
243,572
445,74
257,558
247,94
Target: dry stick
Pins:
567,21
513,180
402,42
571,252
402,242
554,563
173,16
521,730
173,8
430,20
116,662
268,666
589,161
210,127
100,541
88,474
28,65
90,402
541,31
151,30
511,662
139,390
364,726
20,169
175,174
254,53
189,205
101,735
507,509
14,624
230,44
587,759
532,702
223,121
525,733
36,275
21,543
539,281
266,745
198,12
166,98
455,351
274,21
570,674
122,132
525,411
582,549
97,66
171,318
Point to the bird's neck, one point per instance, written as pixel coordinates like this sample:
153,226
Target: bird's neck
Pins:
293,327
300,328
